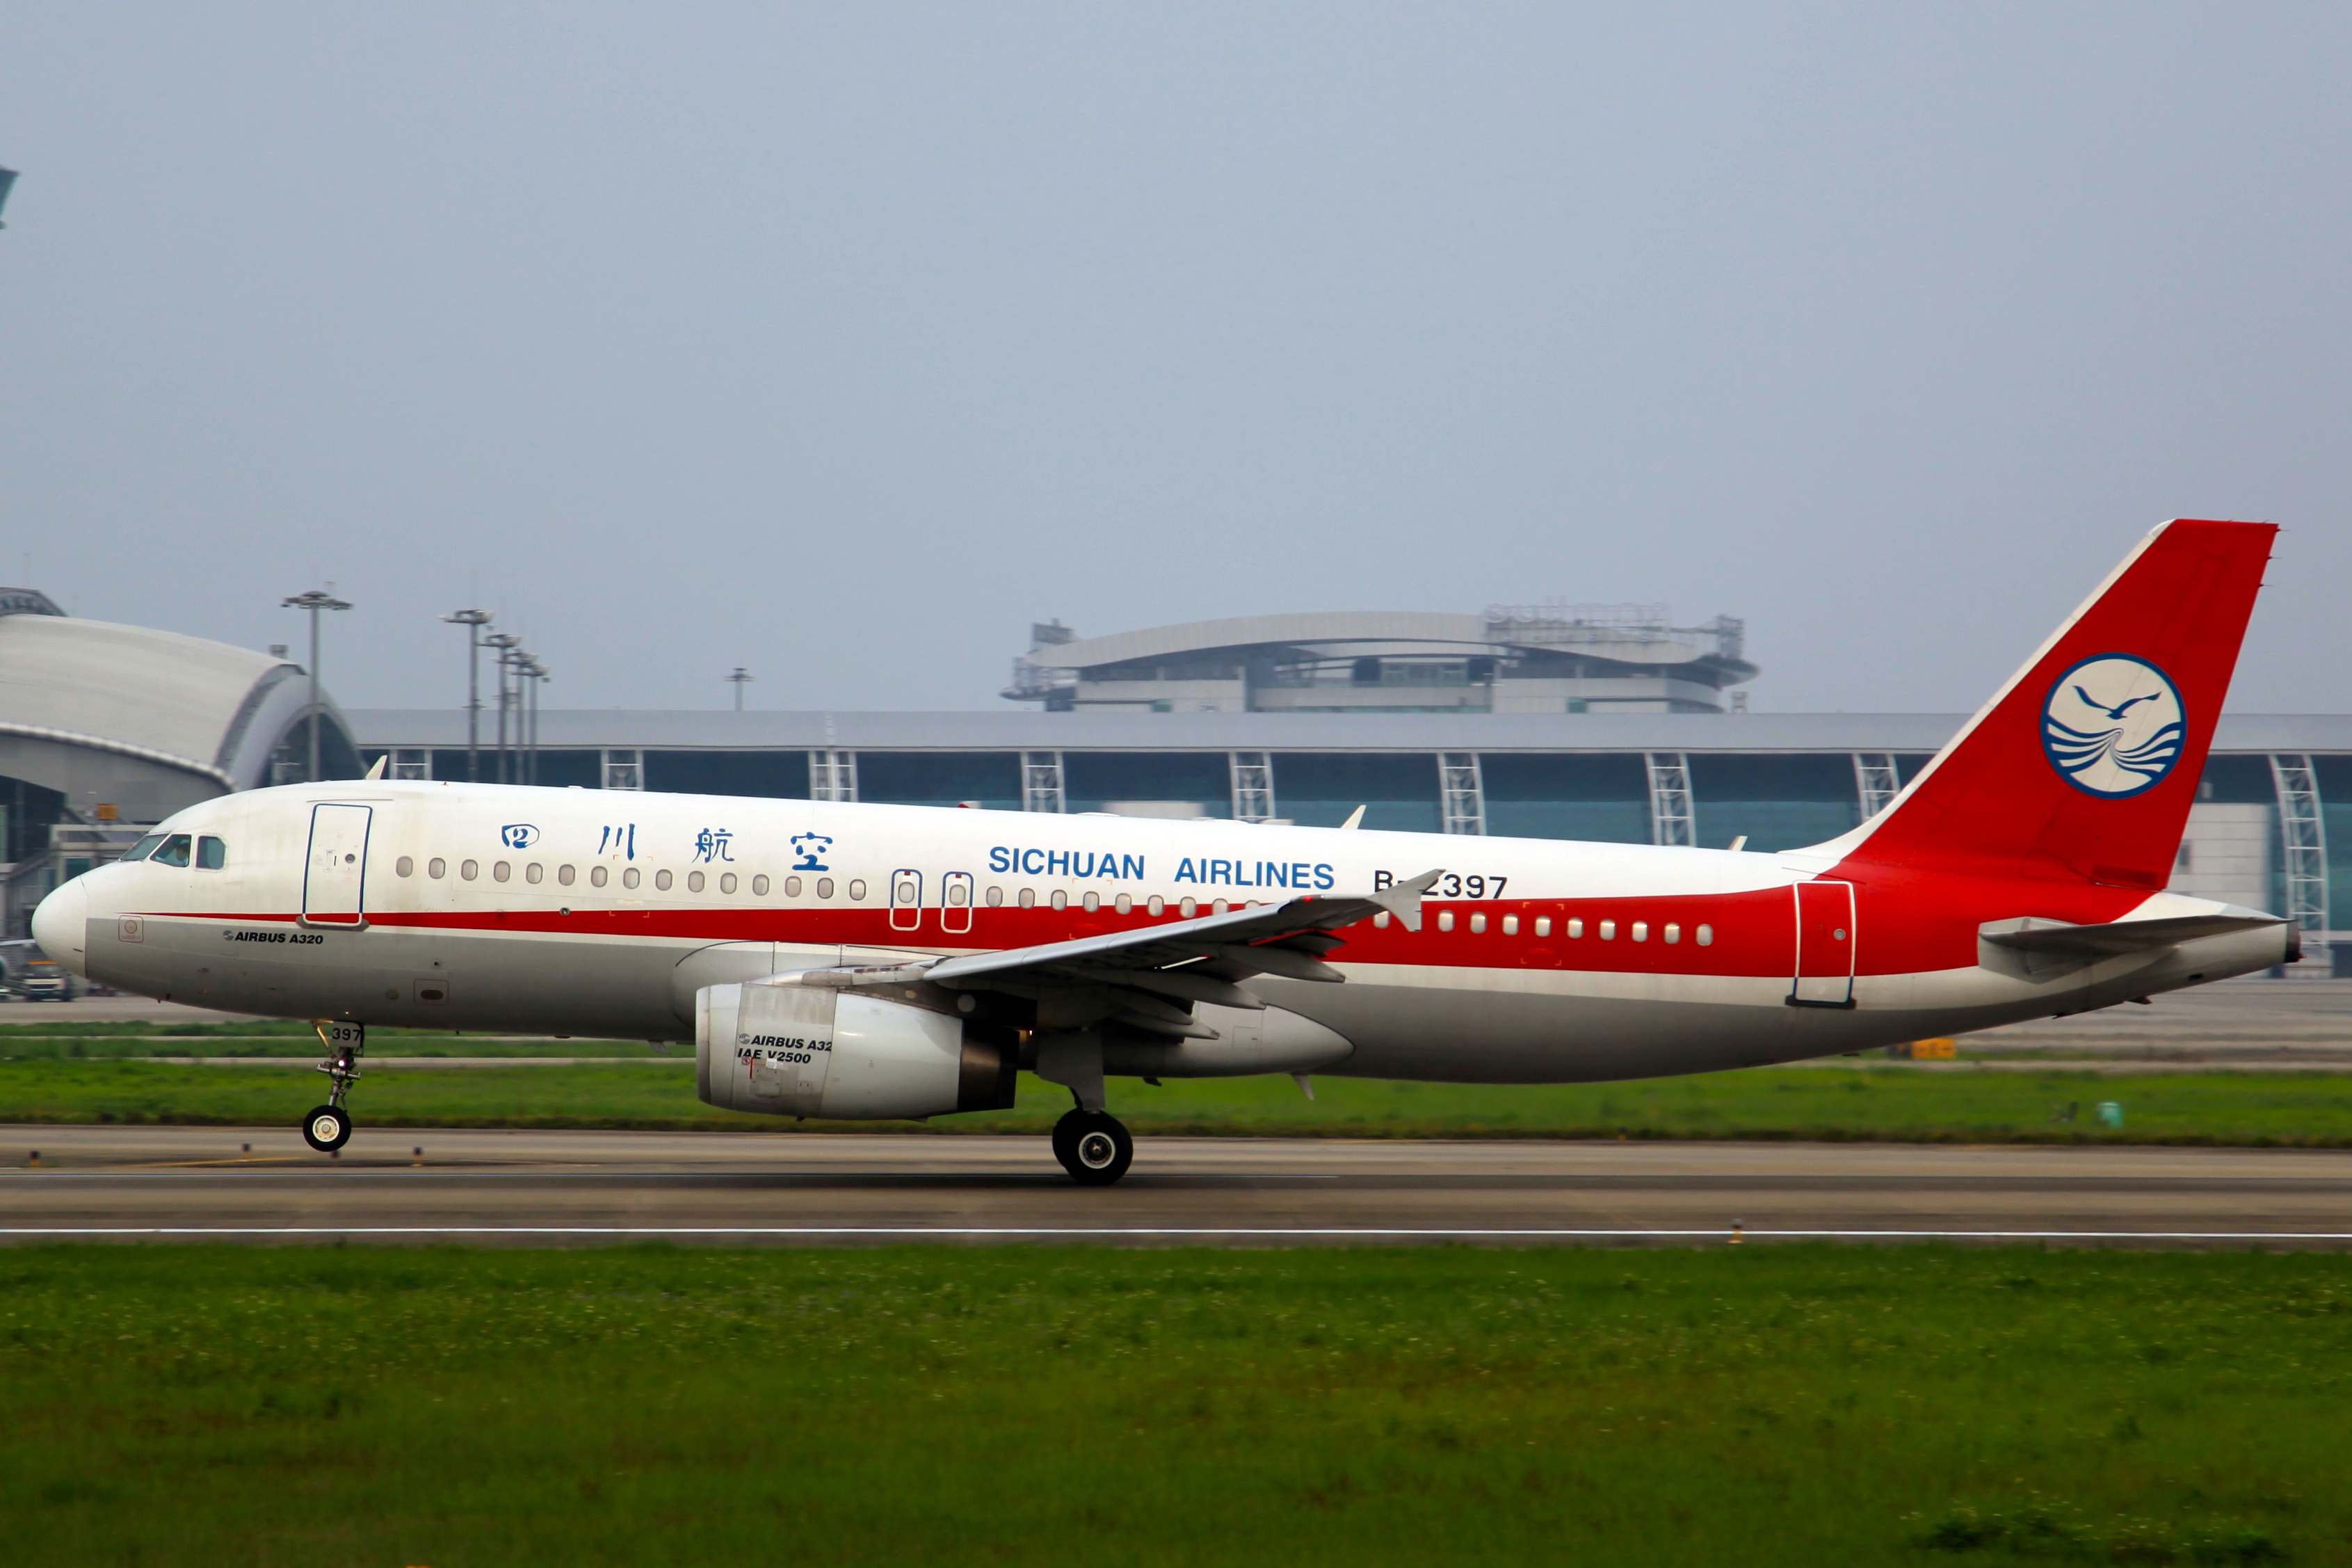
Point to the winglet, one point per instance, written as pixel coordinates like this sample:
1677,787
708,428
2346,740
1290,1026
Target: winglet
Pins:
1404,899
377,770
1355,820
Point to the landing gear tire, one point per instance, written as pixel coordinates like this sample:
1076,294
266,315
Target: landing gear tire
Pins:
327,1129
1093,1146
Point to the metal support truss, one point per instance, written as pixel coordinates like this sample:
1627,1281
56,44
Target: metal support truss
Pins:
1875,781
1041,782
1253,787
2302,841
1461,792
1671,818
833,776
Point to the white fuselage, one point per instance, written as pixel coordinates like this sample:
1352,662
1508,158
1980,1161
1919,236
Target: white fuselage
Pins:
578,912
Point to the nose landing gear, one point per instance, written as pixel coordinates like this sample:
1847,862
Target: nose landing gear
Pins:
328,1127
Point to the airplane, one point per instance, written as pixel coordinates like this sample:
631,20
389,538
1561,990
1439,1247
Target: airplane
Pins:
850,961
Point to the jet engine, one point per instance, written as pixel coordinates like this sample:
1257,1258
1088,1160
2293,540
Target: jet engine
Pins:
784,1049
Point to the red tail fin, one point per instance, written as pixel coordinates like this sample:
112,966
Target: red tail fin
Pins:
2084,765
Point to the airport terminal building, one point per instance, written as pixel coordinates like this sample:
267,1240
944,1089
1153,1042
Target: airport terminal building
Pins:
1552,721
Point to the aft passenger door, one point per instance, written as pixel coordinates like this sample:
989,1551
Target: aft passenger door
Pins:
1826,945
334,877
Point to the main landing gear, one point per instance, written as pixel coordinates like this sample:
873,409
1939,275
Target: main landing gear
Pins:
1094,1146
329,1127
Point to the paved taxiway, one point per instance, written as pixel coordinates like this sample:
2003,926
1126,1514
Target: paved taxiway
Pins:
558,1187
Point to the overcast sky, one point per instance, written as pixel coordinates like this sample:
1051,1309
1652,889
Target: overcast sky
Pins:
842,342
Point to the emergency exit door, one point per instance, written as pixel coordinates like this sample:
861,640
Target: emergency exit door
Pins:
906,900
1826,945
334,877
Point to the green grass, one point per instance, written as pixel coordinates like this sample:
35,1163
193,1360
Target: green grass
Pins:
1797,1405
73,1044
1887,1103
12,1032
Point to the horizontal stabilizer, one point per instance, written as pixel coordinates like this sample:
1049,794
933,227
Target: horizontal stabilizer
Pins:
2032,934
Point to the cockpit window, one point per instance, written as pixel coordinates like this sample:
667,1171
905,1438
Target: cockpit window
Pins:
212,853
143,848
174,851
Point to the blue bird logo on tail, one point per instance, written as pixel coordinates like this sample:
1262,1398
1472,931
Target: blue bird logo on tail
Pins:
2113,725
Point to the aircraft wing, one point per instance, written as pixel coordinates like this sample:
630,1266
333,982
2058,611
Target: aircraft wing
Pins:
1150,976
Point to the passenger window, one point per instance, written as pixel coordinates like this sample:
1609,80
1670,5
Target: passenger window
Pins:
759,887
403,866
995,897
1158,905
1217,906
1640,931
1706,936
436,868
1381,920
726,882
532,873
598,876
212,853
630,878
824,887
1061,899
1609,931
958,894
1543,924
1445,921
661,882
1028,898
501,870
174,851
1510,925
856,890
1575,929
1478,924
143,849
1125,903
1188,909
792,887
470,870
1673,933
564,874
693,882
1094,902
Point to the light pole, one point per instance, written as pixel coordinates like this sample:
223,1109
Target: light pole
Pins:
535,673
473,621
315,600
506,642
738,680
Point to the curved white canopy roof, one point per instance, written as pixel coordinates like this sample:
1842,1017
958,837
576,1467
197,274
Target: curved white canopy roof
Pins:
185,703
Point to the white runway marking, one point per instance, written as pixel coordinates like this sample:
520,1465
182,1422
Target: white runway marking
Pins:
1430,1232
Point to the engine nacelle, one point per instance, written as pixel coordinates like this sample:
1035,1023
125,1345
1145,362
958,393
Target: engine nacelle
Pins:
782,1049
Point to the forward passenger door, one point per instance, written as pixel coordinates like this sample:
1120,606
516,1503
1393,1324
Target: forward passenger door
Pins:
334,874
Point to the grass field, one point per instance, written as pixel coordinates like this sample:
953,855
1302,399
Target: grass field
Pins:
1890,1104
1767,1406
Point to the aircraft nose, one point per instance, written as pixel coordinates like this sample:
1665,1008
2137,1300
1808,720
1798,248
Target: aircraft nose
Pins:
60,926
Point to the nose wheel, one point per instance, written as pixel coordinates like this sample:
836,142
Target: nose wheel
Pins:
1094,1146
329,1127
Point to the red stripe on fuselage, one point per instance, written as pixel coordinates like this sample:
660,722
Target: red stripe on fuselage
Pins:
1907,923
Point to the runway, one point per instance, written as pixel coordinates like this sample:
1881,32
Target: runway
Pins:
537,1187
